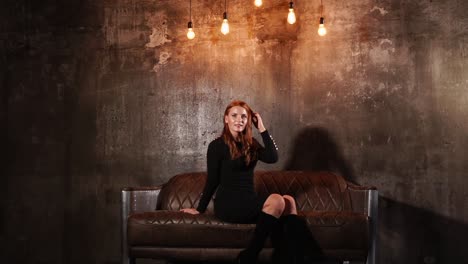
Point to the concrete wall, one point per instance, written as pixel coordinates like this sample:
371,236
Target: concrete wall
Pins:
98,95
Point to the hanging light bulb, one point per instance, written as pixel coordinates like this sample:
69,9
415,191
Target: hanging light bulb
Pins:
322,31
291,15
258,3
190,33
225,25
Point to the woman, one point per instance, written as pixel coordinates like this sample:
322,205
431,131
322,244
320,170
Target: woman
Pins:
231,162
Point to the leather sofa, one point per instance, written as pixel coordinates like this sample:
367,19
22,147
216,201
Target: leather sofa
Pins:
341,216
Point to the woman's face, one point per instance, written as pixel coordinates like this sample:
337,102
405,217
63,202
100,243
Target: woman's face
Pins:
236,119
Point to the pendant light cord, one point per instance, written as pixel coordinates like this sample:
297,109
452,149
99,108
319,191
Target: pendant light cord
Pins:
190,10
321,8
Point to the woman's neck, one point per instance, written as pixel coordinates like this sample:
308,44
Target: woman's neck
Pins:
235,135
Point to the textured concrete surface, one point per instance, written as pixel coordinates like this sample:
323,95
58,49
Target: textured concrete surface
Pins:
98,95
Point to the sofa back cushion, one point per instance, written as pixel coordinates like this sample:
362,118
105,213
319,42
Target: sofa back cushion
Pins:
312,190
317,191
183,191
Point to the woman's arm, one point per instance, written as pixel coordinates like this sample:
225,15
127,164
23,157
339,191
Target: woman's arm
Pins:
269,153
213,159
212,181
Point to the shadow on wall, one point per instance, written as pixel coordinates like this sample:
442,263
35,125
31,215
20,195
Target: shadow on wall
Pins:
314,149
408,234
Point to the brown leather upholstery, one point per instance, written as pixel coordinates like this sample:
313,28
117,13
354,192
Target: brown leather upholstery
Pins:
323,199
183,191
175,229
318,191
322,192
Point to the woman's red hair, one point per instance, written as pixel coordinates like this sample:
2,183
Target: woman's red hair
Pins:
249,144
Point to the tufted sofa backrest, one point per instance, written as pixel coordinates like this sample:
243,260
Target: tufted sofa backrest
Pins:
317,191
313,191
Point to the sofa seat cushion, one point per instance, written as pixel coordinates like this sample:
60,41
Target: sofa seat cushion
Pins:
177,229
339,230
332,230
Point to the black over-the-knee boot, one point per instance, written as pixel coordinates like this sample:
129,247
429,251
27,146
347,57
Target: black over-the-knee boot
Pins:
278,240
265,225
301,245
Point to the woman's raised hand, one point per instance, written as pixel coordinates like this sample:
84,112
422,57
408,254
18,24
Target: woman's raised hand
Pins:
260,125
190,211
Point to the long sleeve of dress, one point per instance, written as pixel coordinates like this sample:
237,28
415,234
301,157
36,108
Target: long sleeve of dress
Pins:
268,154
212,181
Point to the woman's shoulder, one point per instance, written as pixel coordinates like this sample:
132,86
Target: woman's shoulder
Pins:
218,146
217,143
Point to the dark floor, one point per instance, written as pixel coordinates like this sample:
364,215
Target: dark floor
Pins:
146,261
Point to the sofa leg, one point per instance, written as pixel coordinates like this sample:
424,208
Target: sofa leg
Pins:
127,260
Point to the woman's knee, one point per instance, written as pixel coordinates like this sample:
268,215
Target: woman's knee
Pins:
274,205
289,199
290,205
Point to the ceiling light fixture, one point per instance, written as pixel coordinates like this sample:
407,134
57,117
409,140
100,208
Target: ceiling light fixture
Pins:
258,3
291,15
225,25
322,31
190,33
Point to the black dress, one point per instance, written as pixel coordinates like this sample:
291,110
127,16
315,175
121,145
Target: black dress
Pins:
235,200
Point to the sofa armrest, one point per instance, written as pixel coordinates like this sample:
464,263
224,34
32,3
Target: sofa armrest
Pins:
365,199
139,199
360,197
136,199
360,187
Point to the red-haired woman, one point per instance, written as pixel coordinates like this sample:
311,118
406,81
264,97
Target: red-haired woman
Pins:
231,162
